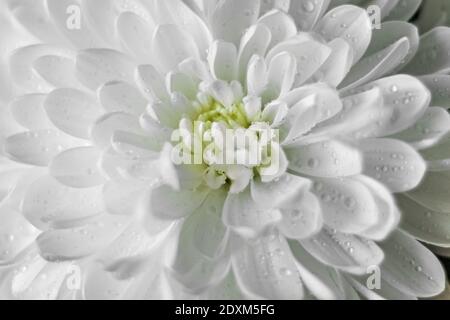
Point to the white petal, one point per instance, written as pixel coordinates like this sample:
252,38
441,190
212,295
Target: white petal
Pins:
72,111
256,76
57,70
222,58
281,75
34,17
49,204
434,191
389,33
324,282
77,167
95,67
307,13
210,235
29,112
76,243
172,45
190,267
310,56
275,113
308,113
281,26
392,162
277,193
357,112
151,83
430,129
103,129
222,92
231,17
405,101
325,159
16,233
135,145
411,267
350,23
121,96
427,225
345,252
267,270
338,64
378,64
388,214
134,33
178,82
438,84
432,55
21,69
197,69
255,41
243,215
167,203
302,218
347,204
123,197
37,147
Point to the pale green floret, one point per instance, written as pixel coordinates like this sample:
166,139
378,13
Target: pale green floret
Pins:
233,117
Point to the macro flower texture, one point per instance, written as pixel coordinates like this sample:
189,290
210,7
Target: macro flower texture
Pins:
346,196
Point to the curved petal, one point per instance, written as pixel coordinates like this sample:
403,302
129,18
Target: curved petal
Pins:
71,244
222,59
243,215
72,111
121,96
266,269
307,13
170,204
434,191
410,267
347,204
345,252
324,282
432,56
427,225
392,162
28,110
134,33
172,45
49,204
350,23
210,235
302,218
405,101
281,25
277,193
94,67
429,130
230,18
77,167
38,147
326,159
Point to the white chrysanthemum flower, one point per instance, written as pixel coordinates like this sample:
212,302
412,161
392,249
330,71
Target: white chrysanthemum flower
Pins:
89,187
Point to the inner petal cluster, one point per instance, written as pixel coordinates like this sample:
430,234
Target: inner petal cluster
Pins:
230,135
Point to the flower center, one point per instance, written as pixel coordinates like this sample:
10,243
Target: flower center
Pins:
229,137
232,117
